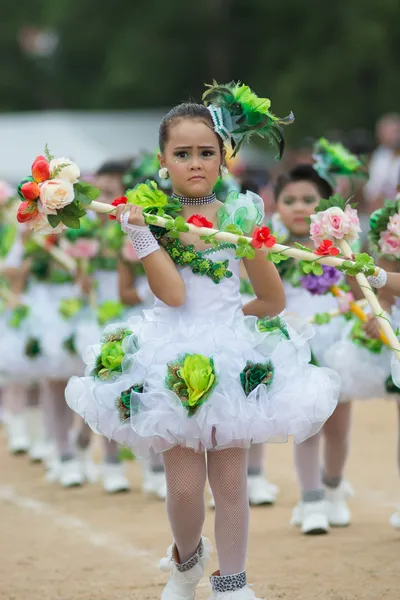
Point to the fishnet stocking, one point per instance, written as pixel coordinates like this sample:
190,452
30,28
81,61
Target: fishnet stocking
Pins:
256,459
227,474
336,444
185,472
308,468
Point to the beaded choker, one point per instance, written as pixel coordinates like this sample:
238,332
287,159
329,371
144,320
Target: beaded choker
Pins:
195,201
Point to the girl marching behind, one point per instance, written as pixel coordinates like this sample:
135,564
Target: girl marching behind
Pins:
322,493
195,378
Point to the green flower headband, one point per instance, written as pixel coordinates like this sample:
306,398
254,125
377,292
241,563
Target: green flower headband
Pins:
238,113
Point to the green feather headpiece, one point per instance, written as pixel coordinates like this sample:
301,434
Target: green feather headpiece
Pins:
238,114
334,160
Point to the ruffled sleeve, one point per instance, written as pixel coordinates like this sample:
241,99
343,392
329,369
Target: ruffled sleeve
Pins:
243,210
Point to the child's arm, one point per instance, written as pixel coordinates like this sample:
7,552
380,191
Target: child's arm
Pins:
126,285
267,286
164,279
386,294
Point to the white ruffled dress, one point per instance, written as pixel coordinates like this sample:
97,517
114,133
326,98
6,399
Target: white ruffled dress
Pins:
211,323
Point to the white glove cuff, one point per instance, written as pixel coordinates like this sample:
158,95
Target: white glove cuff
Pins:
143,241
378,281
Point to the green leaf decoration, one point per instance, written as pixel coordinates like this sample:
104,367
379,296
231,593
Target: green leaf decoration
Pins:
255,374
54,220
69,221
268,324
322,318
89,191
47,153
301,247
276,257
18,315
363,263
334,201
233,229
8,234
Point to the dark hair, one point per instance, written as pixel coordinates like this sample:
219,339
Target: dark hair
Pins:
187,110
114,167
303,173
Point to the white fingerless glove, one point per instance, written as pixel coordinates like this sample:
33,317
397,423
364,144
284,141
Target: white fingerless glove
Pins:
378,281
143,241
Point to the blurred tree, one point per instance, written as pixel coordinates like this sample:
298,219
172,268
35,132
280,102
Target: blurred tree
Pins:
333,63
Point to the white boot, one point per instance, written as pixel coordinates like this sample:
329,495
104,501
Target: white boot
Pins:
231,587
338,511
261,491
114,478
185,577
17,433
38,444
312,517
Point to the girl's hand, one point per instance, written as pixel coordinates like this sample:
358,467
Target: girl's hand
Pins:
135,214
371,327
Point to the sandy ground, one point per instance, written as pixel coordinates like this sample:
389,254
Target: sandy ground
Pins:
83,545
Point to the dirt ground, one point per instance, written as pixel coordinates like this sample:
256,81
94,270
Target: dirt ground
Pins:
83,545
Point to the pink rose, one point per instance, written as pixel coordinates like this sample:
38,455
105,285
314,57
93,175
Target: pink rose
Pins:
394,224
354,228
336,223
83,248
128,252
344,302
389,243
316,229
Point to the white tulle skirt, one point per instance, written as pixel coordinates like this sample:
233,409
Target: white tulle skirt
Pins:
297,403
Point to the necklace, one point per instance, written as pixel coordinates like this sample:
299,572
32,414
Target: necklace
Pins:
195,201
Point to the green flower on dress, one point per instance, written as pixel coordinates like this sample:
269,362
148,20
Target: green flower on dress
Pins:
124,403
192,378
273,324
255,374
109,361
70,307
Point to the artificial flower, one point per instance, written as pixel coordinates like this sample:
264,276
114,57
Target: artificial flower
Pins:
54,195
40,224
117,202
394,224
255,374
198,374
326,248
147,195
83,248
389,244
27,211
64,168
320,284
262,237
200,221
40,169
28,189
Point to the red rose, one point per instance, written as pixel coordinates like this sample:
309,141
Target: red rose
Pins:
50,240
117,202
30,190
200,221
27,210
262,237
40,169
326,248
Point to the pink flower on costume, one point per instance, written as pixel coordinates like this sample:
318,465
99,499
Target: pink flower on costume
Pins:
128,252
83,248
335,223
355,228
389,243
394,224
5,192
316,230
344,302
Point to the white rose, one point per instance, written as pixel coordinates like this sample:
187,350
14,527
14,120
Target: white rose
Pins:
55,194
41,225
70,172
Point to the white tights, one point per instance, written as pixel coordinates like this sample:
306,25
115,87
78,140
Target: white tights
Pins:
311,473
186,473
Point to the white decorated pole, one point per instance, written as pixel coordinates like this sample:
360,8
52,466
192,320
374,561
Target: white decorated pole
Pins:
391,338
225,236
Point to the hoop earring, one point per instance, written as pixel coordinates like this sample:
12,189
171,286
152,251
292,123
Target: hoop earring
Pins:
163,173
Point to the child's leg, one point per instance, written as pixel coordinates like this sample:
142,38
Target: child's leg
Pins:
227,474
337,443
185,472
60,419
308,469
256,459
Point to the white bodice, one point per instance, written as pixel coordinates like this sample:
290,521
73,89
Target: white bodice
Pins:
204,297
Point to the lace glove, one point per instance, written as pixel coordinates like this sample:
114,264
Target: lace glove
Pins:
143,241
378,281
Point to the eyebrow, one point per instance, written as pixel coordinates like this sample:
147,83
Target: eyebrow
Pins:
189,147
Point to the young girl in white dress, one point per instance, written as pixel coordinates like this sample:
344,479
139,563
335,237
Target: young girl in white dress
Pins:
195,378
